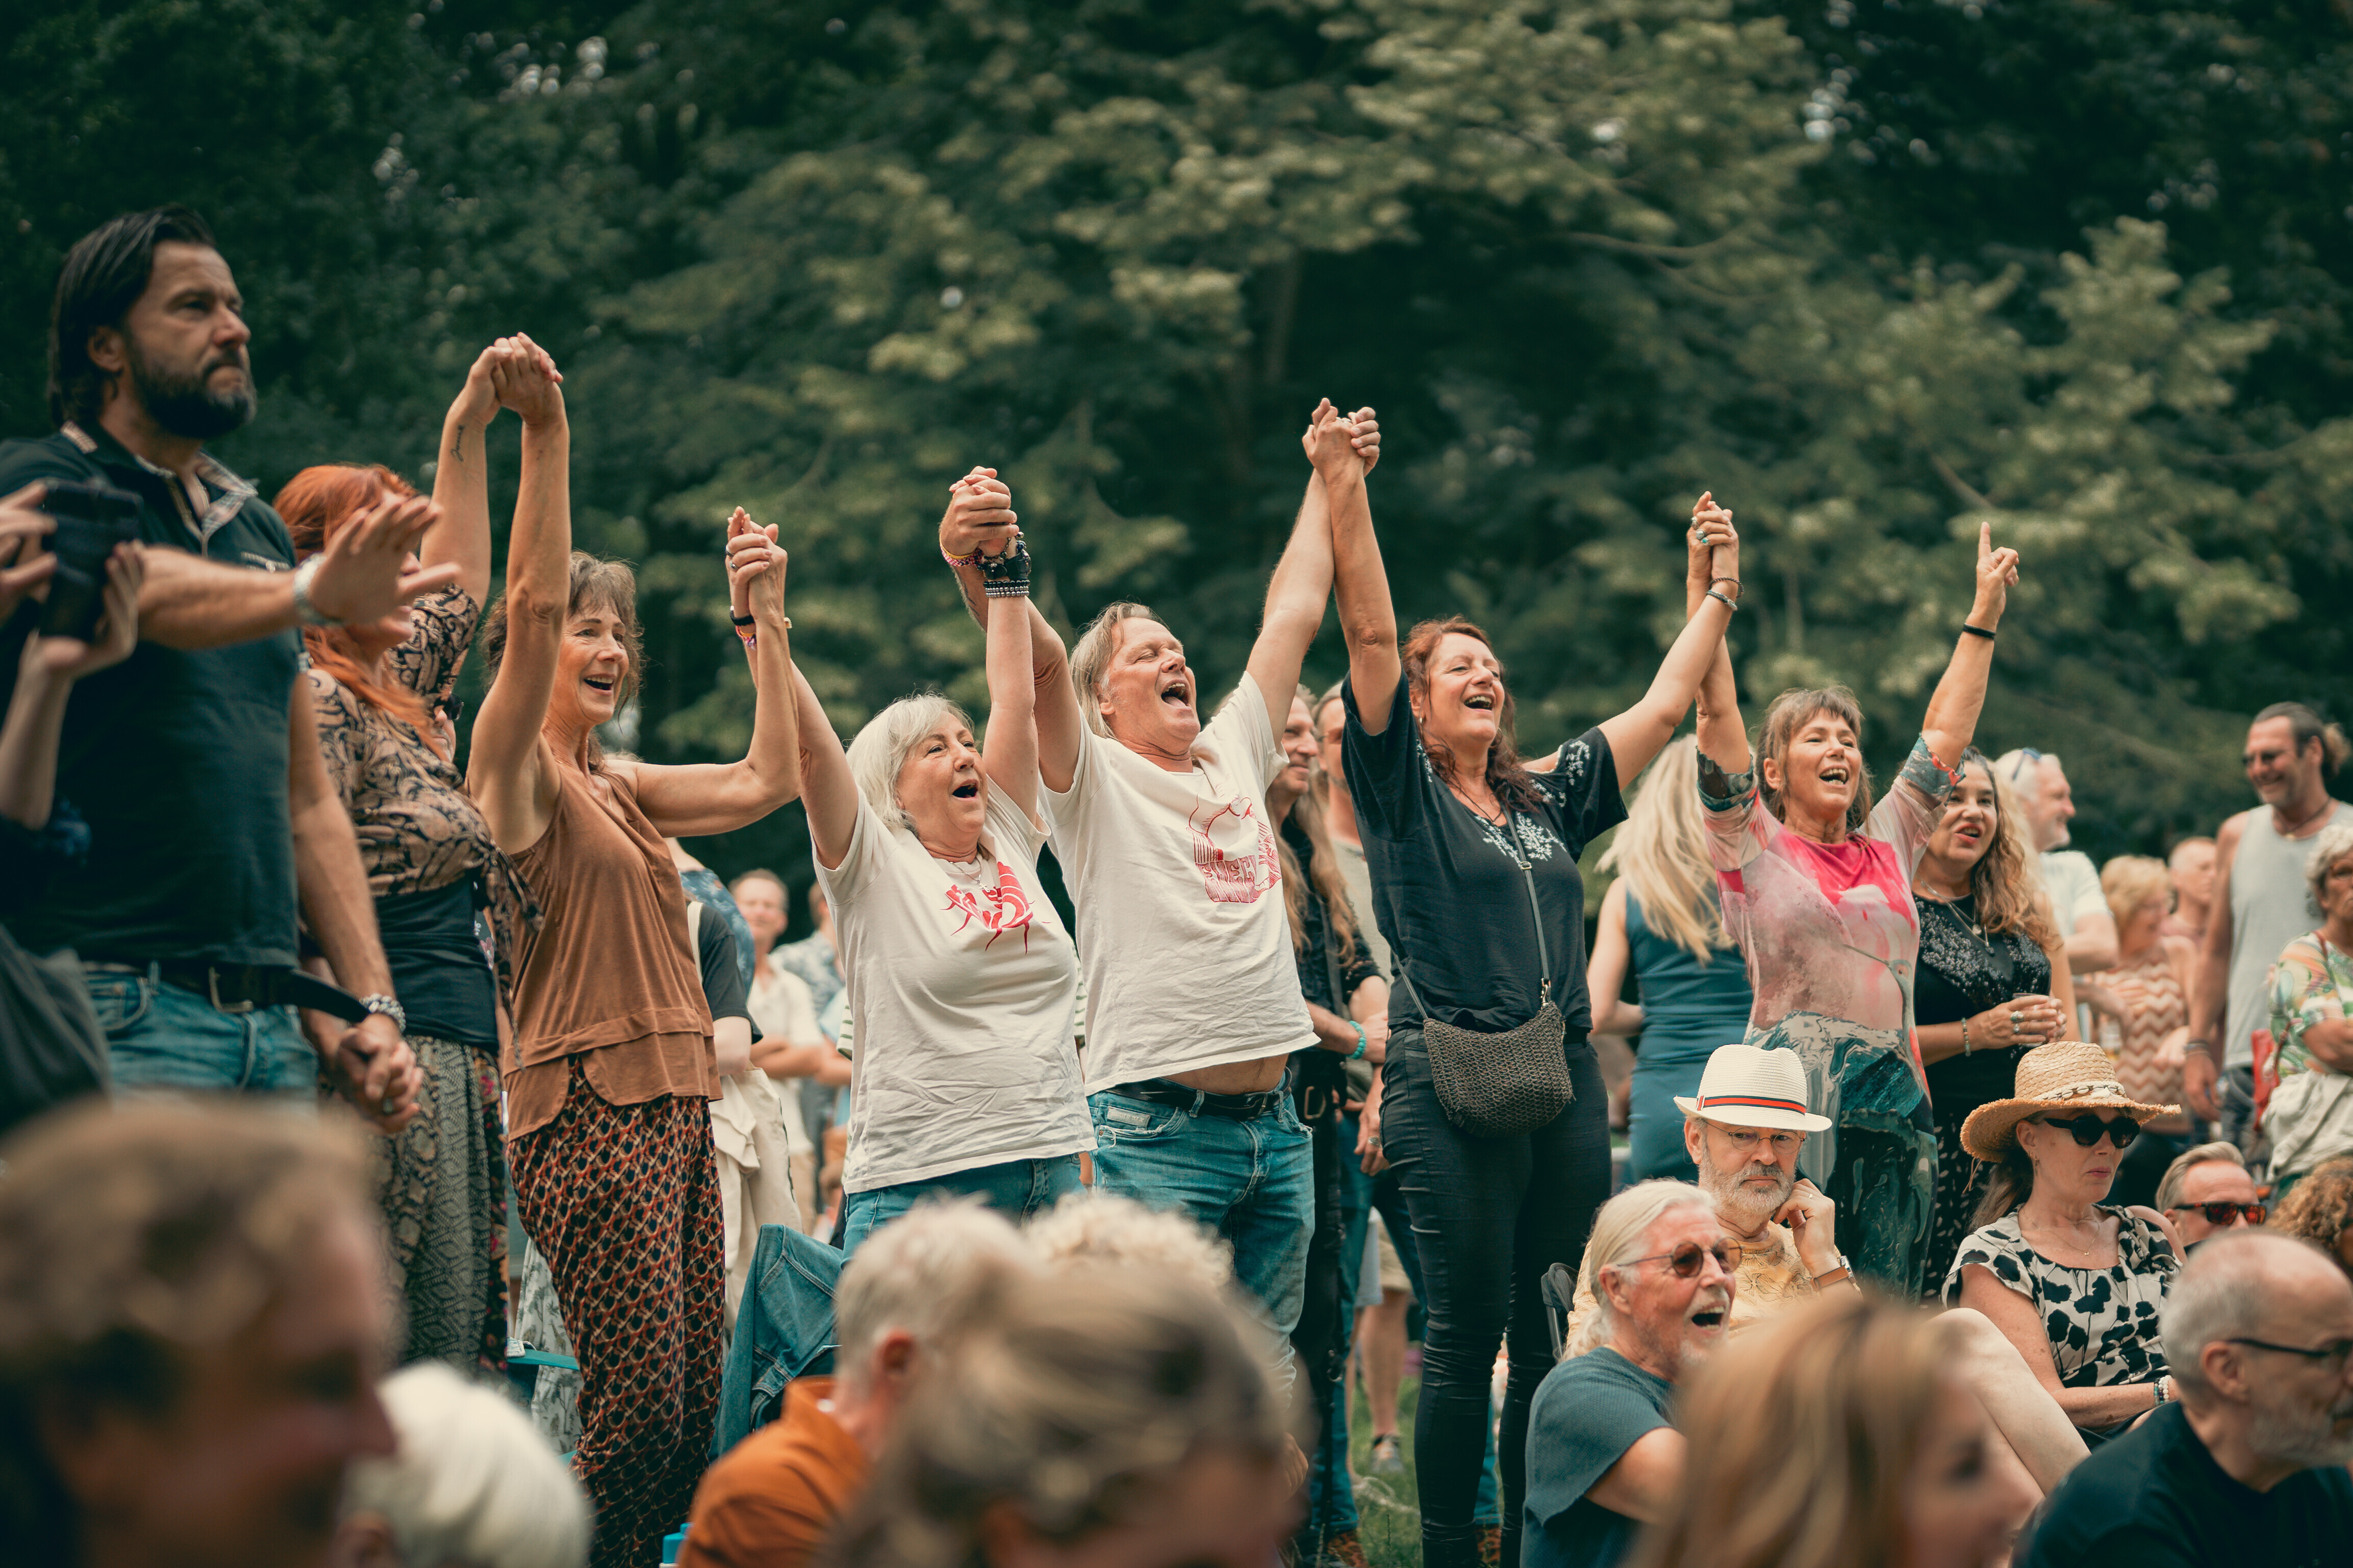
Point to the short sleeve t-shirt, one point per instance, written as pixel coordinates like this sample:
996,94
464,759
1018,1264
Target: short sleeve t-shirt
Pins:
963,984
176,758
1181,923
2154,1498
2074,884
1588,1413
1447,886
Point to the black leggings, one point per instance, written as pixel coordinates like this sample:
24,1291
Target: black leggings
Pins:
1489,1215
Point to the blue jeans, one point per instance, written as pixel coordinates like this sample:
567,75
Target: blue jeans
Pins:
161,1037
1018,1189
1251,1182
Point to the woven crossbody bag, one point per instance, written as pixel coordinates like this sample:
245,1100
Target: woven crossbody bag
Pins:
1499,1086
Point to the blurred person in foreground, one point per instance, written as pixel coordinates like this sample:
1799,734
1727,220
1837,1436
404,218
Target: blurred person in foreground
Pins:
914,1290
2075,1284
1091,1420
1744,1131
2191,866
2047,803
473,1485
2261,903
2309,1118
214,826
192,1324
2320,1211
1603,1454
2249,1466
2206,1191
1839,1437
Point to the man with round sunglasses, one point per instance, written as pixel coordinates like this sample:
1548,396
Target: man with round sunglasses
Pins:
2206,1191
2249,1466
1603,1458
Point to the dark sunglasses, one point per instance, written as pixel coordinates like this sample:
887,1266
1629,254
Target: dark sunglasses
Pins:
1685,1260
2087,1130
2222,1214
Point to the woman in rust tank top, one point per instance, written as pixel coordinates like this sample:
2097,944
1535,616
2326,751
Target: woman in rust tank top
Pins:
610,1068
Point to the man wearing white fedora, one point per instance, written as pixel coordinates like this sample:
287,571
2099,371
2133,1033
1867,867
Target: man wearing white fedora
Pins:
1744,1131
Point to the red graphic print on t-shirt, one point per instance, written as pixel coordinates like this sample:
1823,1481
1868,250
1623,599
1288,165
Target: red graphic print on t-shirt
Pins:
1235,877
998,910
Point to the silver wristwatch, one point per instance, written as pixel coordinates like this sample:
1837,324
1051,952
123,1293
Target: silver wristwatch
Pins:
305,612
390,1007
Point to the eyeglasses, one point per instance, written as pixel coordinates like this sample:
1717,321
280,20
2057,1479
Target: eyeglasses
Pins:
2027,757
2088,1130
1685,1260
2222,1214
2335,1350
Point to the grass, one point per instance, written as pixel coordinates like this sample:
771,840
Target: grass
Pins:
1388,1524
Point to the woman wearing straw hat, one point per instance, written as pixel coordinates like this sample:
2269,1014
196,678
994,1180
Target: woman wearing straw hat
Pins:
2075,1284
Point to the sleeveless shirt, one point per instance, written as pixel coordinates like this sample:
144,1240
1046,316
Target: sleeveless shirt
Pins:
2271,906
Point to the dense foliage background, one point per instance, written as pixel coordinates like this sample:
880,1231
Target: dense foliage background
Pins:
1869,270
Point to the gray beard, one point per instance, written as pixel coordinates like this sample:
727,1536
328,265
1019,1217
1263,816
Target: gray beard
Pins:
1741,1205
2306,1438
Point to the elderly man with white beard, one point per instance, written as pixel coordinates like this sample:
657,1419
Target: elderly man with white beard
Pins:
1744,1129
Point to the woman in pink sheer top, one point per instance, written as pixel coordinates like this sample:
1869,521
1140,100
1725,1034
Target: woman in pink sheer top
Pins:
1816,883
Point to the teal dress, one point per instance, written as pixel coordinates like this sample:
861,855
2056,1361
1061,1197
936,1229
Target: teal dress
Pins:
1688,1008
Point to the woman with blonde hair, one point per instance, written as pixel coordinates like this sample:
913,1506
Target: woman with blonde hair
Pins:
2147,996
1992,981
1873,1455
1662,916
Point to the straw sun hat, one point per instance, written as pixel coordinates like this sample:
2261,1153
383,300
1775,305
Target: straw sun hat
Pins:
2064,1075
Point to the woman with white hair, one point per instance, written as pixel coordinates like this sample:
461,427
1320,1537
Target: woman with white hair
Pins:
472,1485
961,979
2310,1118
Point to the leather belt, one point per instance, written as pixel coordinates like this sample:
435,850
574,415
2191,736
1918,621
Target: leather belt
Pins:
1232,1107
242,987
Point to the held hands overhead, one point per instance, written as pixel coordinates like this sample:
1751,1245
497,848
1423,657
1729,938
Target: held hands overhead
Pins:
1711,553
1333,437
753,588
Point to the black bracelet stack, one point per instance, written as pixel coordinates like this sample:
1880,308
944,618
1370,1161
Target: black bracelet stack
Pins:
1976,631
1006,576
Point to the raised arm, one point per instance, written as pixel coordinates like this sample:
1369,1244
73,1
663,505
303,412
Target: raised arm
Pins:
511,772
1952,720
462,477
1303,578
1367,617
1010,756
1641,731
979,519
1723,738
720,797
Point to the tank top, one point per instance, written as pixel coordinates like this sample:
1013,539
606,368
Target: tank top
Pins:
1688,1008
611,977
2271,906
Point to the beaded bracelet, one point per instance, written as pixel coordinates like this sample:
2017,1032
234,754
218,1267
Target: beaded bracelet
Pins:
971,560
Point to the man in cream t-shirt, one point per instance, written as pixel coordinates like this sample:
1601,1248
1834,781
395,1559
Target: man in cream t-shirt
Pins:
1192,996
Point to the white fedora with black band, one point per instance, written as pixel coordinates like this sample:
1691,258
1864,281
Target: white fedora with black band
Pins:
1748,1086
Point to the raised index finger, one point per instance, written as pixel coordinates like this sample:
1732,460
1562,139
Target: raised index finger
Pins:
1985,537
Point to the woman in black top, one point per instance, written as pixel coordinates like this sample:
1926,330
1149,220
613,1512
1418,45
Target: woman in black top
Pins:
1455,830
1984,994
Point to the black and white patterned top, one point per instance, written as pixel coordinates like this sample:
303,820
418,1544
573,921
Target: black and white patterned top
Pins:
2102,1322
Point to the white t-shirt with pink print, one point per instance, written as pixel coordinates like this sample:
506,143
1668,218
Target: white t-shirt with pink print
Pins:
964,987
1178,885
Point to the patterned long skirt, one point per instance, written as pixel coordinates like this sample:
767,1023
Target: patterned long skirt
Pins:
624,1200
442,1186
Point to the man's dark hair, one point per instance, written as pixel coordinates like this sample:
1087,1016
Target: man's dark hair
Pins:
102,278
2308,726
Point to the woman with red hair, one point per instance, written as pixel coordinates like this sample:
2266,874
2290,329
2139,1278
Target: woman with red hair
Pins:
1489,1105
377,687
